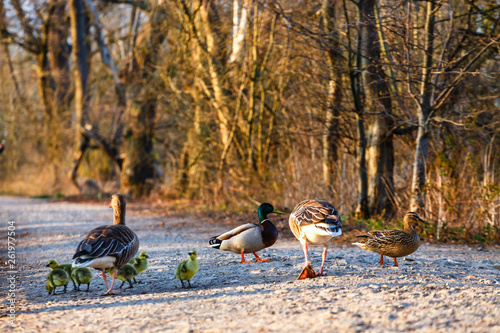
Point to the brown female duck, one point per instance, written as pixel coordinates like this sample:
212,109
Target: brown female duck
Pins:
249,238
108,246
393,243
314,222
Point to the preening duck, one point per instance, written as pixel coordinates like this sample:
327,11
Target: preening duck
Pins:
108,246
314,222
393,243
249,237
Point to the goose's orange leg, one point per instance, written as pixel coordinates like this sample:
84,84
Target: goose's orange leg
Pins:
110,290
257,258
105,280
395,262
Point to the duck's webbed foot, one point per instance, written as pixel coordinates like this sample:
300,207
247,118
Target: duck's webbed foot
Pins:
257,258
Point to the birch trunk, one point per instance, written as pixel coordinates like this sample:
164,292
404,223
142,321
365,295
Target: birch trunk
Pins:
425,107
240,28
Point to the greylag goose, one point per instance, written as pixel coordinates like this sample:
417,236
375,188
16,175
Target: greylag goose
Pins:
249,238
314,222
108,246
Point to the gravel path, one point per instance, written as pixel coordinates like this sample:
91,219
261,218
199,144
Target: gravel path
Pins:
443,288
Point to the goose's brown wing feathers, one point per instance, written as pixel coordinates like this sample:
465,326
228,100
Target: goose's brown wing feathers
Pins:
112,240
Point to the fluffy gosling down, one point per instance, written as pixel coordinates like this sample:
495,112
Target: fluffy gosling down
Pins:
81,275
66,267
140,263
187,269
125,274
56,278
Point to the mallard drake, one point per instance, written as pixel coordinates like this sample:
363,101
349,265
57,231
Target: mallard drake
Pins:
66,267
108,245
57,277
393,243
82,275
140,263
250,237
187,269
314,222
125,274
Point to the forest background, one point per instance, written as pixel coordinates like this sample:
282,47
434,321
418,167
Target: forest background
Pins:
379,107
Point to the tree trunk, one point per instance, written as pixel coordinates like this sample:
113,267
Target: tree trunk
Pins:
330,134
240,26
362,210
425,107
379,151
139,164
81,52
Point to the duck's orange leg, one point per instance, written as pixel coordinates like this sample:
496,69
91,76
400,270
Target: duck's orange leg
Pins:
243,258
382,259
258,259
395,262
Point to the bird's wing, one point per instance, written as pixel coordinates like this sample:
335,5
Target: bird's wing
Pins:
314,211
384,233
113,240
237,231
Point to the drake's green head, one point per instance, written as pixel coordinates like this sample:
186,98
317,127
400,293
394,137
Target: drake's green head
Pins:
193,255
143,255
266,208
52,264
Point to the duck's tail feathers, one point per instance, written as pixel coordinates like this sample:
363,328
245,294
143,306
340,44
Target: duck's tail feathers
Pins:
214,242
